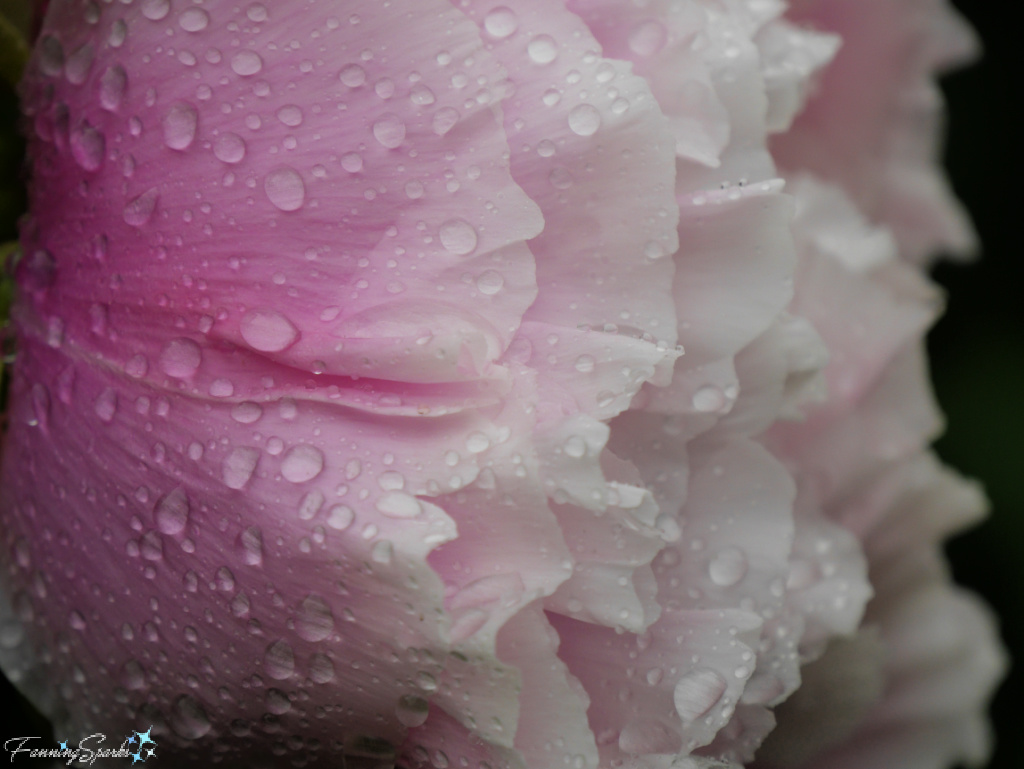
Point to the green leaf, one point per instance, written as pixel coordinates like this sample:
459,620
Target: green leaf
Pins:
14,51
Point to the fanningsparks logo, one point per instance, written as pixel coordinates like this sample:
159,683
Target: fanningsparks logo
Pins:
138,746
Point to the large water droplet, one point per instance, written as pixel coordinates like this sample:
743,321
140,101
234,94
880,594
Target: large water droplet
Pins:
267,330
352,75
247,412
239,466
194,20
279,661
88,146
251,543
728,567
106,405
302,463
188,719
542,49
155,10
398,504
246,63
113,84
458,236
180,358
180,125
501,22
321,669
77,67
412,711
584,120
229,148
315,621
697,692
285,188
389,130
171,512
340,517
290,115
140,210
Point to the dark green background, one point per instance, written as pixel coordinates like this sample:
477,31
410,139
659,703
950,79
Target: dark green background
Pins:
977,348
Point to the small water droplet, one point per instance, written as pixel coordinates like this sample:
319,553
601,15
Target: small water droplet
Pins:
352,162
575,447
106,405
267,330
315,621
728,567
180,358
445,120
155,10
188,719
585,364
180,125
77,67
421,96
458,237
140,210
171,512
285,188
697,692
708,399
560,178
321,669
51,56
246,63
412,711
247,412
542,49
382,552
490,282
251,543
113,84
389,130
477,443
88,146
239,466
352,75
290,115
398,504
277,702
501,22
279,661
584,120
340,517
302,463
229,148
133,677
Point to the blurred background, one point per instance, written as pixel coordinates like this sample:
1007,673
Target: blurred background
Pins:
977,348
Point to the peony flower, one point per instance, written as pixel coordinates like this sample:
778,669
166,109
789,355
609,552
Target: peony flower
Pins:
429,383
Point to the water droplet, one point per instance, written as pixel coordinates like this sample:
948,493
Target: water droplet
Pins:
247,412
106,405
155,10
88,146
477,443
229,148
290,115
171,512
133,677
697,692
180,358
421,96
257,12
113,84
490,282
352,75
194,20
647,38
251,543
152,546
279,661
239,466
267,330
458,237
575,447
77,621
321,669
285,188
382,551
398,504
302,463
188,719
77,67
180,125
246,63
412,711
352,162
225,580
340,517
51,56
389,130
728,567
501,22
708,399
310,504
445,120
640,737
584,120
654,250
140,210
315,621
560,178
277,702
542,49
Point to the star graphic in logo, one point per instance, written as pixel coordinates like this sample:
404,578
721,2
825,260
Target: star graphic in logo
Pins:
144,737
150,753
131,739
136,758
64,745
